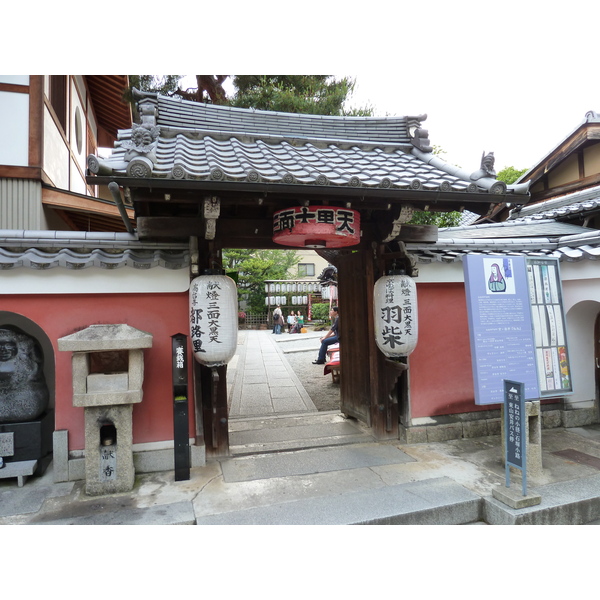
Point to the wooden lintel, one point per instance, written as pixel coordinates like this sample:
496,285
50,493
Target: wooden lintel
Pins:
169,227
418,233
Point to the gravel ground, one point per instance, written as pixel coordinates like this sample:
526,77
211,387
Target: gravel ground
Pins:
321,389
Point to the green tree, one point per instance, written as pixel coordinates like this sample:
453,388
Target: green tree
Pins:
510,174
306,94
253,268
320,312
440,219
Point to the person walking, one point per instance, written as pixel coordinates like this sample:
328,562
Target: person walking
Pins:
277,320
331,337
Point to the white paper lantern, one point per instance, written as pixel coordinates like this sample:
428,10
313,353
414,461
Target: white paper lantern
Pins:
213,319
395,314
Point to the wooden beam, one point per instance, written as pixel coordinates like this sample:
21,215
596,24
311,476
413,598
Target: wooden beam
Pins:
36,120
64,201
170,227
14,172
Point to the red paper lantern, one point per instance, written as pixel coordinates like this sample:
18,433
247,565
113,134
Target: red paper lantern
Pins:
316,227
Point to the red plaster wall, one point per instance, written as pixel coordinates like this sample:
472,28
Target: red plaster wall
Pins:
161,315
441,377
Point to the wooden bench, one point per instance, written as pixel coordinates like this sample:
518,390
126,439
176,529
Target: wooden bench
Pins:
332,364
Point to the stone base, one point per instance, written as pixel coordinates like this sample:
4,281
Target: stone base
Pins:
20,470
72,468
484,423
108,467
442,432
513,497
32,441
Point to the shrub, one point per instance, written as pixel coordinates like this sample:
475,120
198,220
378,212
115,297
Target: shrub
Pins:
320,312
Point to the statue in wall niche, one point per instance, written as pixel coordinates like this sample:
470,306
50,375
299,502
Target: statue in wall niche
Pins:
23,391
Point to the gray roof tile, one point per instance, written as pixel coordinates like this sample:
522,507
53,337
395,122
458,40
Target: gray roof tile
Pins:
194,139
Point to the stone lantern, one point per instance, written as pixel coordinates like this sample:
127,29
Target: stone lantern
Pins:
108,372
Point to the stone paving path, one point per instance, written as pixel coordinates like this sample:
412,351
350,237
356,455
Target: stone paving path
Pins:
263,382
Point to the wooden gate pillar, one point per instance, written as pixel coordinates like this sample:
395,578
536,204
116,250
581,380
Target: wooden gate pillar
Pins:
368,387
210,384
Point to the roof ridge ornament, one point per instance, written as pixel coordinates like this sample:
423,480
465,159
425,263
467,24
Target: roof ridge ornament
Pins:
487,167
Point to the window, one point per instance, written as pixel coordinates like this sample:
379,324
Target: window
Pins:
306,270
58,98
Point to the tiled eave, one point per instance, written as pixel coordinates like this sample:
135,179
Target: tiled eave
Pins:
562,207
567,249
41,250
37,259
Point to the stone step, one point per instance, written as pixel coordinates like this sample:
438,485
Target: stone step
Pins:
437,501
292,432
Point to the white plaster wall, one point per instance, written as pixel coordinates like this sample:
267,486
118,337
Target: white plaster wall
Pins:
56,154
14,129
582,269
77,183
15,79
437,272
125,280
580,335
77,180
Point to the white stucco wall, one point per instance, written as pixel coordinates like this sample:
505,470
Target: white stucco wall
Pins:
56,154
78,166
14,129
125,280
580,334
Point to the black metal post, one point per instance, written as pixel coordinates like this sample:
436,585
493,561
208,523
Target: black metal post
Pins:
181,438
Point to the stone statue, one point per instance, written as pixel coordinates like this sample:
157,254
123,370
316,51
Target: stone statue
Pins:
23,390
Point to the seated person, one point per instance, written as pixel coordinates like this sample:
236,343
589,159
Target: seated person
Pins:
331,337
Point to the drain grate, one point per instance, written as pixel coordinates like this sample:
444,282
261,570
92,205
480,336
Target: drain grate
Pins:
579,457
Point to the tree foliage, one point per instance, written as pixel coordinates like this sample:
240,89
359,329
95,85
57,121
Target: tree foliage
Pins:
306,94
320,312
441,219
510,174
253,268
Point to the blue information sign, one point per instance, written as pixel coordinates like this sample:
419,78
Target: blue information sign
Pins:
516,326
515,430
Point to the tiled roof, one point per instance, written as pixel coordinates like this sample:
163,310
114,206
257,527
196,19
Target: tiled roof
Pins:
178,113
580,202
80,250
180,139
582,243
515,229
532,230
34,258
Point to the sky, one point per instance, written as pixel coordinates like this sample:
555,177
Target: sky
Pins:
512,77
